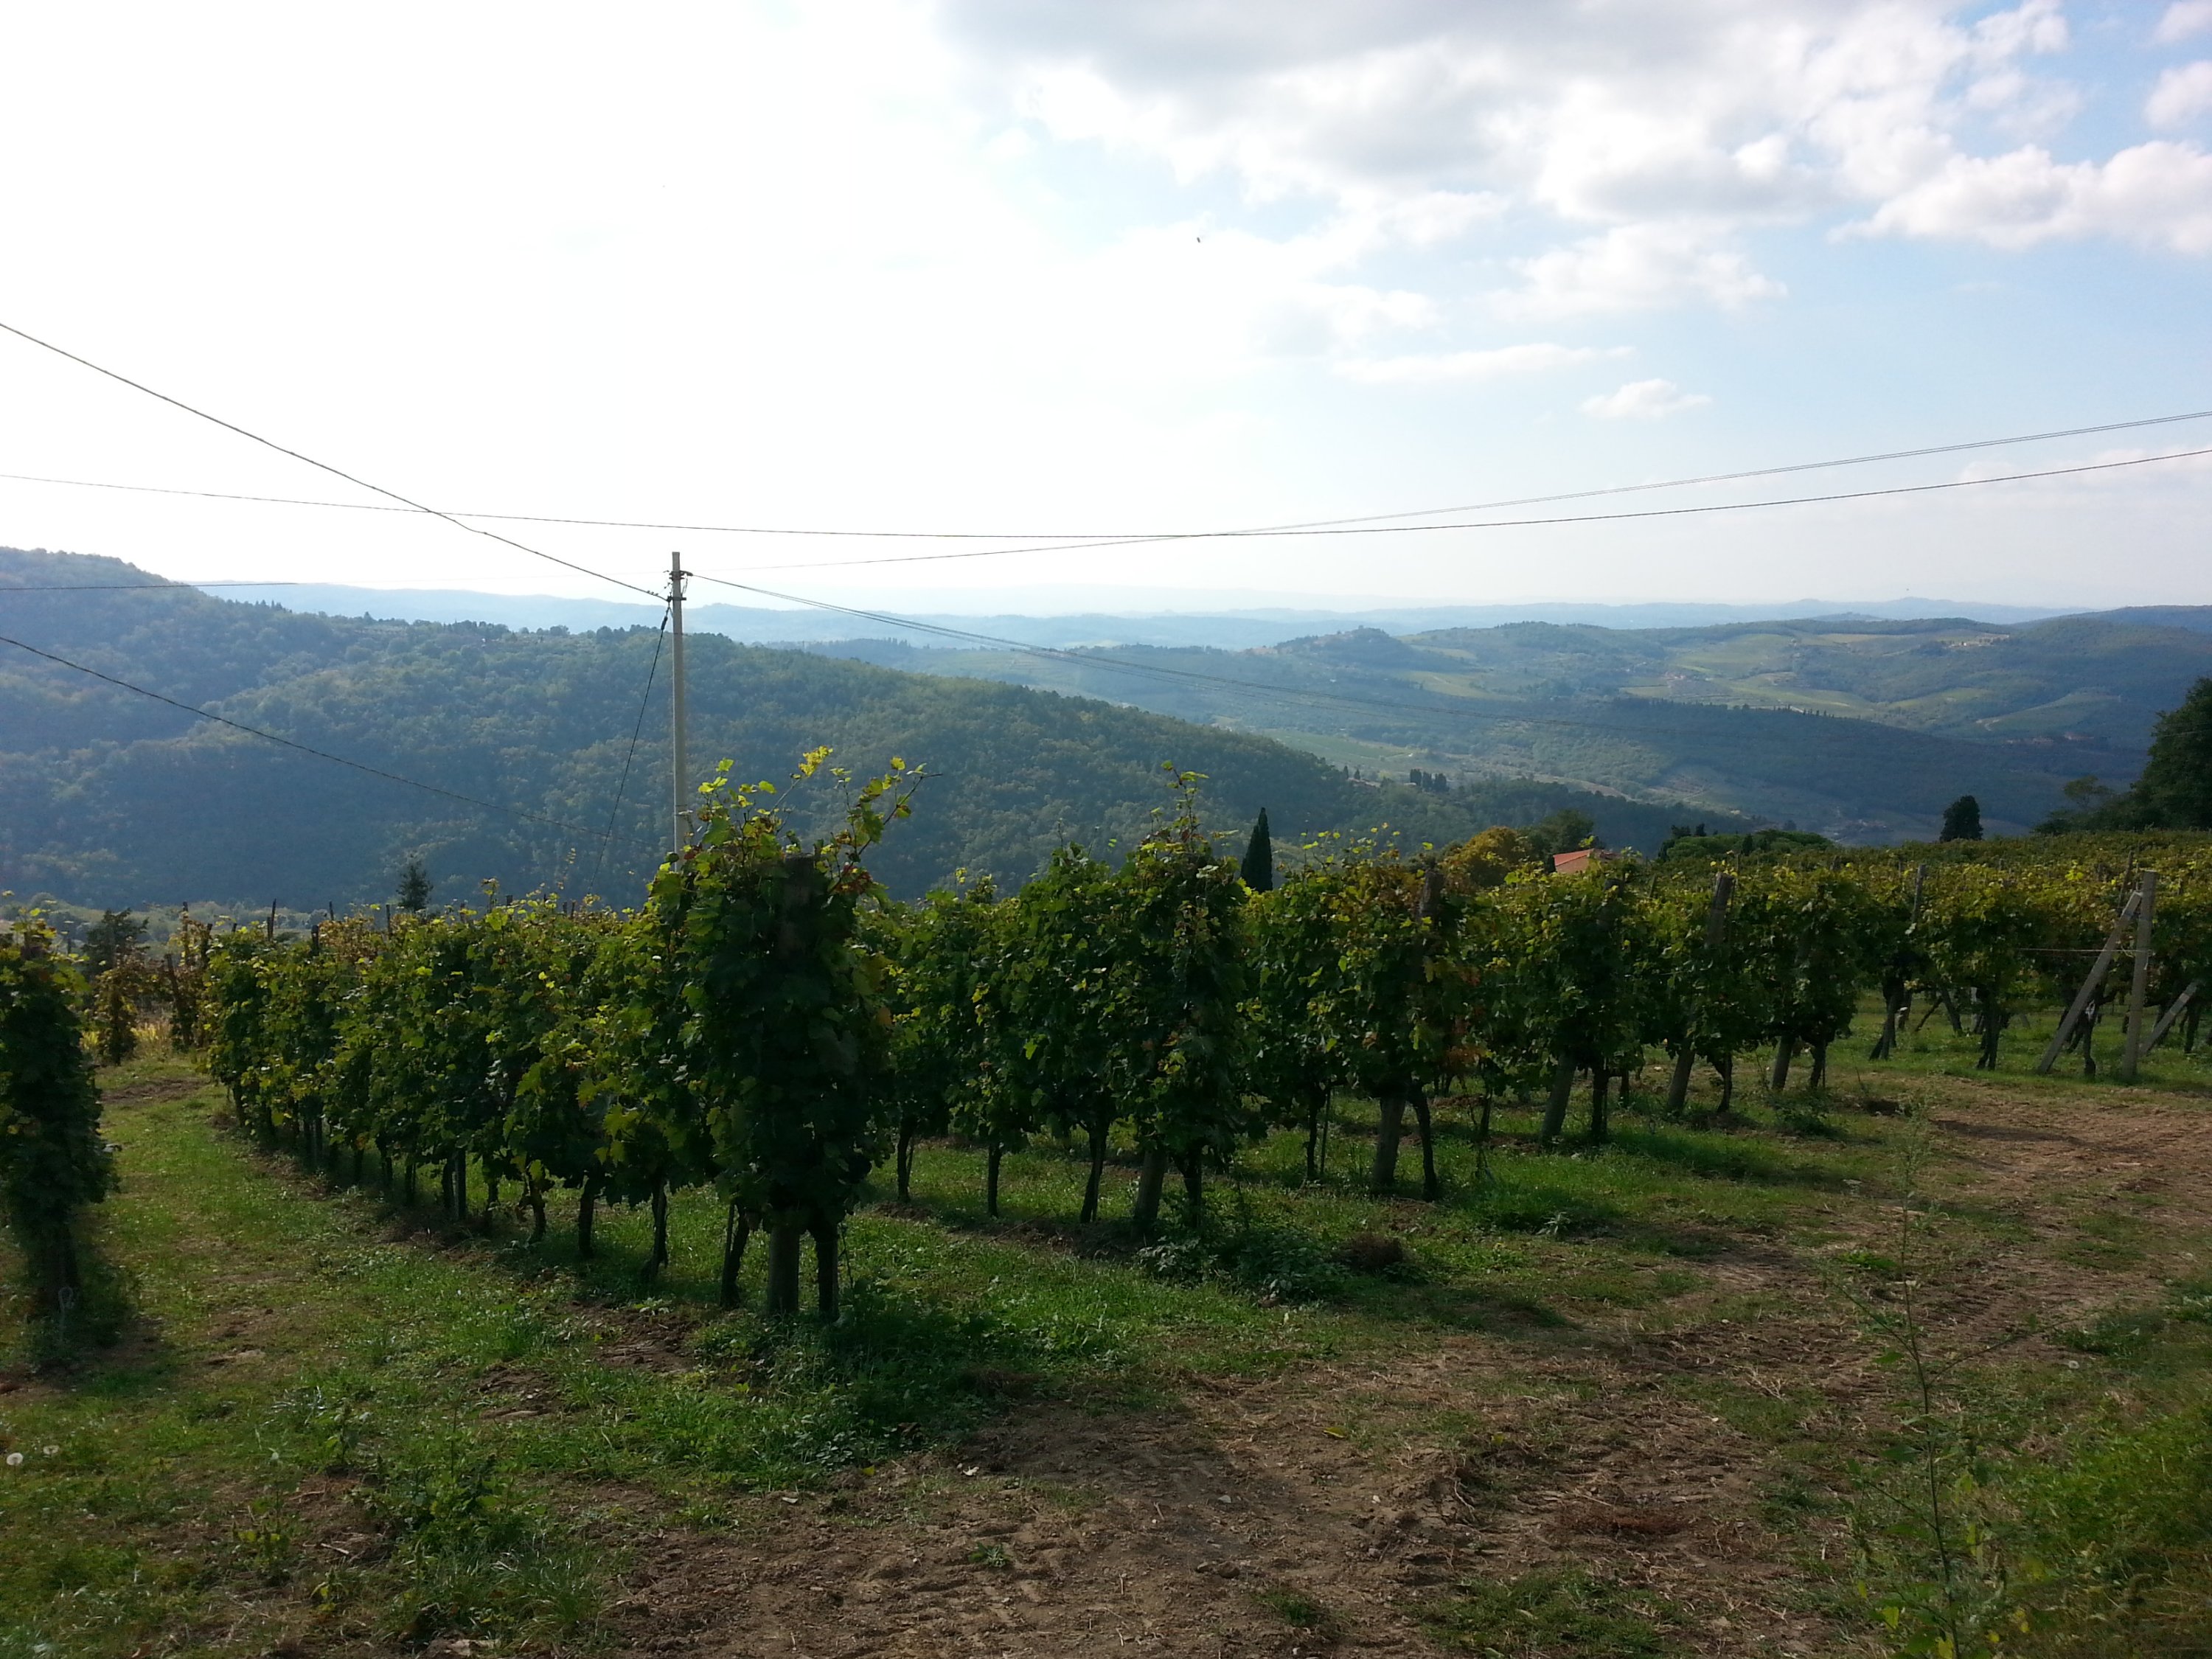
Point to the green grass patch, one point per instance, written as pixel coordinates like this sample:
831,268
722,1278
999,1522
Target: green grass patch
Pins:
295,1411
1554,1611
1298,1610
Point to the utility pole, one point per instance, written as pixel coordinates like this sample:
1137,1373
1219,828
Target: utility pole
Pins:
680,769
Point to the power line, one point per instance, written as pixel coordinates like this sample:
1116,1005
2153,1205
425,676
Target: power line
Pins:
1770,471
1335,528
1104,536
1371,529
305,749
644,698
323,466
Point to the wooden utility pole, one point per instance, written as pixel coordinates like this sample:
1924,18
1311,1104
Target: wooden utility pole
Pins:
680,761
2140,982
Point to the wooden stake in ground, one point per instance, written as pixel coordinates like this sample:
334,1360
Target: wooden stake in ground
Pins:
2140,983
2173,1010
2086,994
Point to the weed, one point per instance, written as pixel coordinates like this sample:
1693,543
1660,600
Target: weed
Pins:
1296,1609
266,1542
1557,1610
1927,1560
334,1424
476,1559
2120,1334
1371,1253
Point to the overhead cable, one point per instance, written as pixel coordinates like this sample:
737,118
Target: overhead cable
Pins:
1370,529
324,467
645,697
308,748
1116,537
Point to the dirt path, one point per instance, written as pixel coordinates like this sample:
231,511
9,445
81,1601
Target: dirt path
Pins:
1677,1453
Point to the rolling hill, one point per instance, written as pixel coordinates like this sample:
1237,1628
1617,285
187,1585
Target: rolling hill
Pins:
1860,728
109,797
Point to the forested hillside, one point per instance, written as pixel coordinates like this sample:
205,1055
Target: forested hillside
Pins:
1860,728
108,797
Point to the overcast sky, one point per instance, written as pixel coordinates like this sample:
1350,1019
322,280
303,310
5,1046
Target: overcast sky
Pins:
1003,265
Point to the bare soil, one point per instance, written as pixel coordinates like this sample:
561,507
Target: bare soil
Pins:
1322,1510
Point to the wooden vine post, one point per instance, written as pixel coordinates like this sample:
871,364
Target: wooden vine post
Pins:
2174,1009
2139,981
2087,993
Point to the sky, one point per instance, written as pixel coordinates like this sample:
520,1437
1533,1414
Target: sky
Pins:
1061,270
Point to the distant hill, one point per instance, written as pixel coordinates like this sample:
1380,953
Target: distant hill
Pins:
1167,622
2195,618
1861,729
107,796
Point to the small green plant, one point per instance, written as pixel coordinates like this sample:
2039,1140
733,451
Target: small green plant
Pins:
265,1543
1554,1610
335,1425
1295,1608
991,1555
1930,1560
476,1558
1278,1264
2120,1334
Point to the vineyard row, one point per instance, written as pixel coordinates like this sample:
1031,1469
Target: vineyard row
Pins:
769,1024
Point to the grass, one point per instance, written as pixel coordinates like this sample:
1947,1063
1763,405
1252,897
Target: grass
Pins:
291,1413
1563,1610
1298,1610
1933,1049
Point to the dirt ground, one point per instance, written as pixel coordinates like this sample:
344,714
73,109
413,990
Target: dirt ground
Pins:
1320,1510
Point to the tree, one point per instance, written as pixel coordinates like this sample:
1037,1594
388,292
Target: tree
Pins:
1259,868
2175,790
413,885
1563,832
1399,992
941,957
1179,962
783,1026
117,936
1819,935
1983,928
1572,954
51,1158
1049,1012
1294,1058
1962,820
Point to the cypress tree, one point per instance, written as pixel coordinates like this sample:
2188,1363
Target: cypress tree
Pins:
1259,868
1962,820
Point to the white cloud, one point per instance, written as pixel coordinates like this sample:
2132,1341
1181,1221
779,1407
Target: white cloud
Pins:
1472,366
1635,268
2181,95
1644,400
1639,143
2183,19
2158,194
